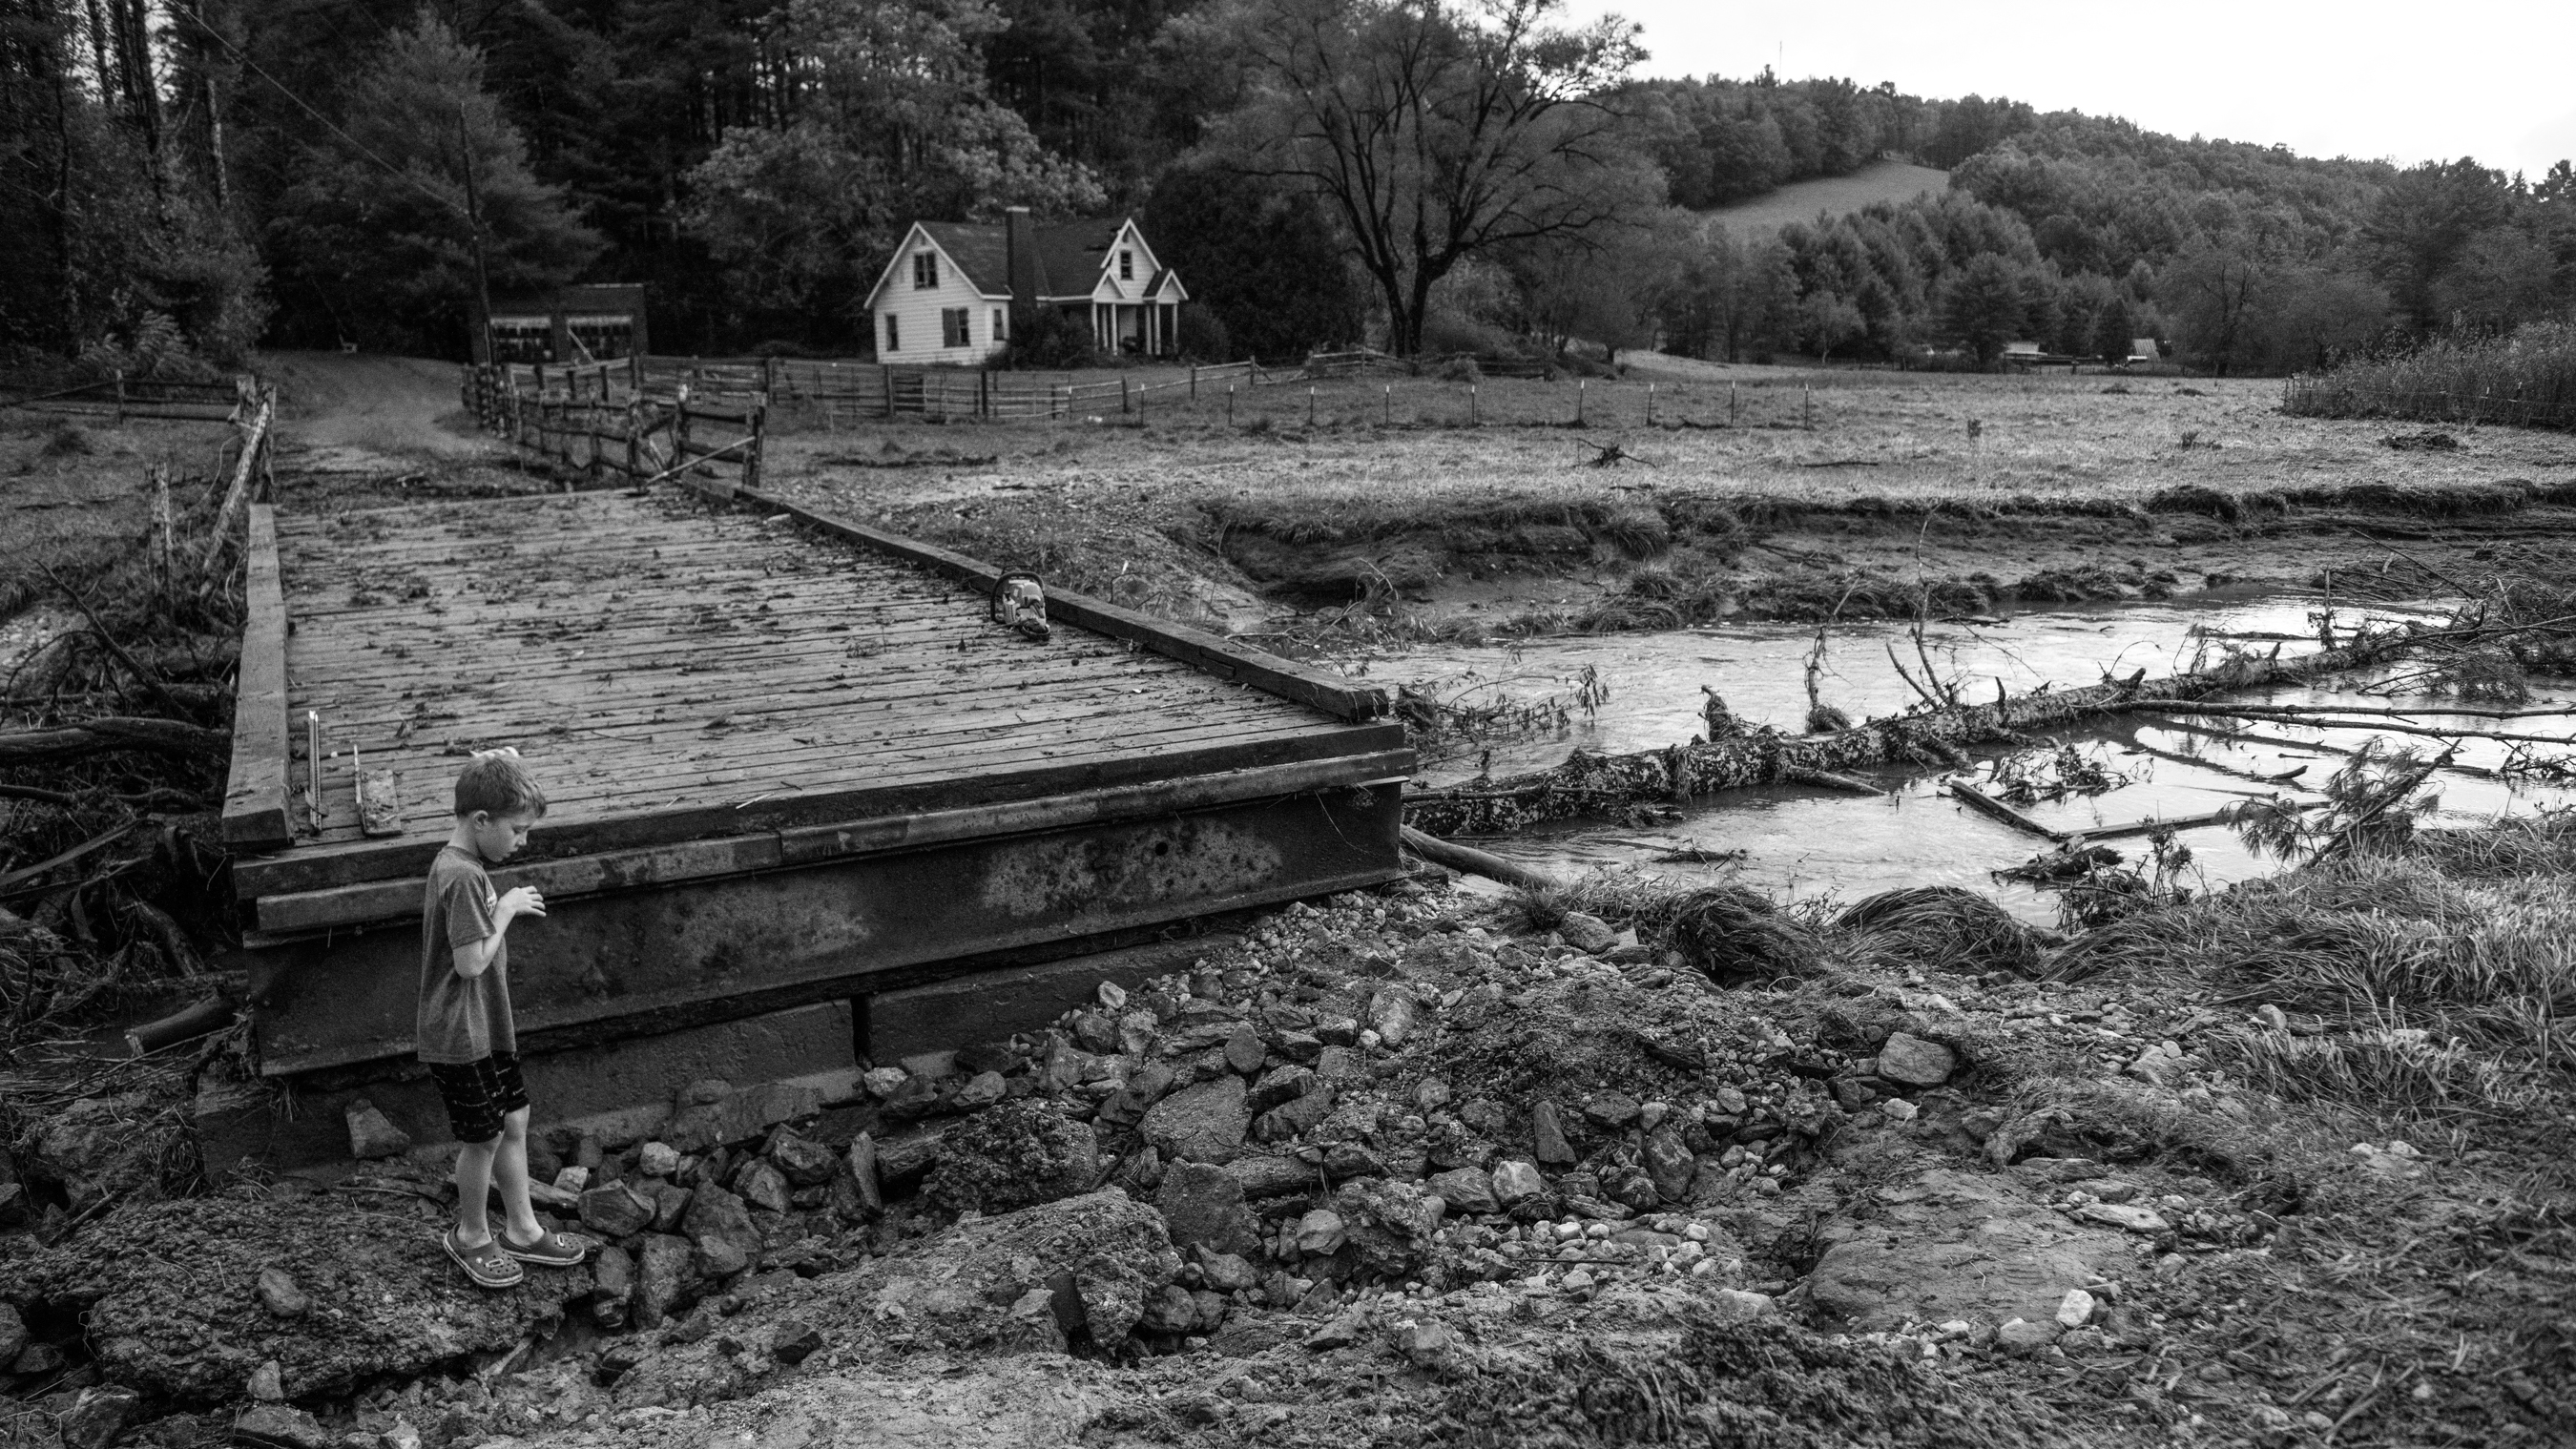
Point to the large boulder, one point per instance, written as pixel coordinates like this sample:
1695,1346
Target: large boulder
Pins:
169,1295
99,1148
1947,1245
1017,1154
1387,1225
1202,1206
1201,1123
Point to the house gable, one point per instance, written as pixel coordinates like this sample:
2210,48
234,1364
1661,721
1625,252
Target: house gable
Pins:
961,258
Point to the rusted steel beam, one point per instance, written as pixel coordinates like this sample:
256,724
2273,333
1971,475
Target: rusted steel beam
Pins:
562,880
684,951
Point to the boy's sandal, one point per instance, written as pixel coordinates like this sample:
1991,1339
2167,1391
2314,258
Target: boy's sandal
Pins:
548,1250
488,1265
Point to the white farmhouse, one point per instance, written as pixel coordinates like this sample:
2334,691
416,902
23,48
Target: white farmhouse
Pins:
953,287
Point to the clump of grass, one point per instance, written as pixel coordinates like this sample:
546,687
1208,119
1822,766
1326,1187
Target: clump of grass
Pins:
2399,1071
1943,928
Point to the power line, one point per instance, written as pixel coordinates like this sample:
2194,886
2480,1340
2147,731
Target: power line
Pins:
354,143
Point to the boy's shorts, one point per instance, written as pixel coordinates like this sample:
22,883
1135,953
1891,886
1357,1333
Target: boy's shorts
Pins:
479,1094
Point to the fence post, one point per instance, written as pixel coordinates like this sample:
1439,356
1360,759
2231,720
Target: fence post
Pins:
1125,405
1386,411
635,373
1730,403
633,421
983,394
120,397
885,371
1806,408
1472,420
680,431
1229,404
1582,389
1310,404
1650,404
1194,382
759,440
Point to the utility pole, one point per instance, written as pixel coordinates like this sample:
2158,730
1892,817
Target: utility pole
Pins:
482,339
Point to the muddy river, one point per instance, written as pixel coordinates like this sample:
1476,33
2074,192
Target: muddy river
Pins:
1800,842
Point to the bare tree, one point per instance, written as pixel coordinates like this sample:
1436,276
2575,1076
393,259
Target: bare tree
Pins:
1435,130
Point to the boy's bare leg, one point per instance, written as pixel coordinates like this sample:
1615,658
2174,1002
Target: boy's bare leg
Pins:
473,1185
510,1170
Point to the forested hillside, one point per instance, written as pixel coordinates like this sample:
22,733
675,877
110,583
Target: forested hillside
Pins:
191,178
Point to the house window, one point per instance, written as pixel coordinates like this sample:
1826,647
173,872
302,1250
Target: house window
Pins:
893,337
952,327
1126,266
925,271
1001,329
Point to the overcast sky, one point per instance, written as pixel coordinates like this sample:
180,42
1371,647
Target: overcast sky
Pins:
2415,81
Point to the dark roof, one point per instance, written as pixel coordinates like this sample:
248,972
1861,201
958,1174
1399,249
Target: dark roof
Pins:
586,297
1069,255
981,252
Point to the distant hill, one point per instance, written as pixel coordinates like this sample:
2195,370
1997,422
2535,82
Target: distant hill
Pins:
1890,181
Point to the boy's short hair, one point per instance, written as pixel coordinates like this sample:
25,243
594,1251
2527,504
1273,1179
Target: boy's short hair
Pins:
499,784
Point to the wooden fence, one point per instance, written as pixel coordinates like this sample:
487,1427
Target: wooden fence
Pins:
588,419
122,397
2325,395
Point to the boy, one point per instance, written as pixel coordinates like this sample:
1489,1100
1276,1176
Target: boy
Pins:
464,1030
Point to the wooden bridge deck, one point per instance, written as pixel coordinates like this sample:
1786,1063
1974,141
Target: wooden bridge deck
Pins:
670,672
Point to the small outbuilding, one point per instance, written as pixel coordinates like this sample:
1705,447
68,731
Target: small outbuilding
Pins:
590,323
954,290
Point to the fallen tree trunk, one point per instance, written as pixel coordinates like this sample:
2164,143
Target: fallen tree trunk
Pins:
1475,862
110,732
1592,784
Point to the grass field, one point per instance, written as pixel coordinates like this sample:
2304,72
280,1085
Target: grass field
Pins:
1801,200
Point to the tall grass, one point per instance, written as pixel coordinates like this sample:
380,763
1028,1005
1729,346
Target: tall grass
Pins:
2528,378
2444,976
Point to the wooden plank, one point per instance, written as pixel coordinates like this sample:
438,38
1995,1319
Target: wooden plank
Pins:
589,799
255,787
700,859
1227,660
315,867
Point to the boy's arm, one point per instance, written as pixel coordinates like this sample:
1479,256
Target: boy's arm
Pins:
474,956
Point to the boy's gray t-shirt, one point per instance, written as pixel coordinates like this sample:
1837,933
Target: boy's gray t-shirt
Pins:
462,1018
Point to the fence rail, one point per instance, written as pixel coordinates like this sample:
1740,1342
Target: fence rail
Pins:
127,397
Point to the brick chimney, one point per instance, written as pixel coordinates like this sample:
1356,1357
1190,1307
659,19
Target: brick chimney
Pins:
1020,261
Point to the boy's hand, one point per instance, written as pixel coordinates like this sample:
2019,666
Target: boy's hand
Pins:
524,901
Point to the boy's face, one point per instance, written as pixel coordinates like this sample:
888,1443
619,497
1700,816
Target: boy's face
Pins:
498,837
